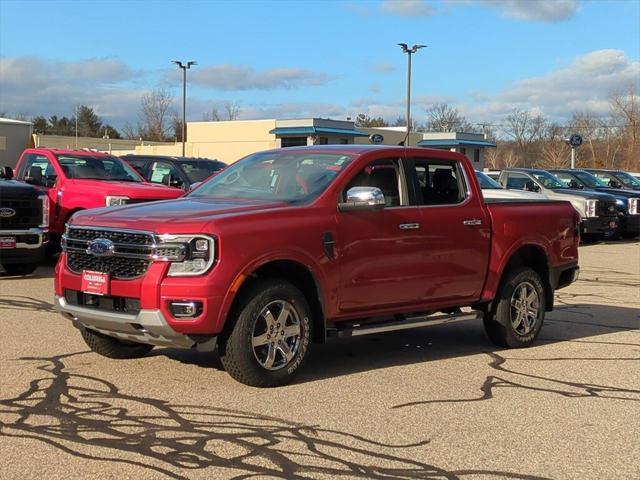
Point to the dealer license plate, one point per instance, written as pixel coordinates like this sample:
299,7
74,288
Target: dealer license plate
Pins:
96,283
7,242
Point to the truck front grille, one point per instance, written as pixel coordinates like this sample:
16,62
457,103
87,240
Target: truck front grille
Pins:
606,208
28,213
133,251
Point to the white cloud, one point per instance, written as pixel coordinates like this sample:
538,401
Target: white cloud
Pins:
407,8
535,10
236,78
383,67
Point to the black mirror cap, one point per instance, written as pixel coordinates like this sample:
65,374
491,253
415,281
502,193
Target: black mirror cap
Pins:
6,173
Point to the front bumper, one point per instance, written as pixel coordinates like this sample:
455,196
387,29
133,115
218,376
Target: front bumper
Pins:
29,246
599,224
148,326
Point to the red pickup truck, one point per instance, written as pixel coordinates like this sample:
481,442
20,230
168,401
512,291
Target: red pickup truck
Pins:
289,246
77,179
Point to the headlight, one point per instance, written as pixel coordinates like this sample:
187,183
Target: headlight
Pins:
190,255
591,208
45,211
620,203
633,206
114,201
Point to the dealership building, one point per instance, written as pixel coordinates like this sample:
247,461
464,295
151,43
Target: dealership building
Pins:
230,140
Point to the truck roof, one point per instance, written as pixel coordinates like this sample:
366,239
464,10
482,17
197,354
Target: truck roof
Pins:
63,151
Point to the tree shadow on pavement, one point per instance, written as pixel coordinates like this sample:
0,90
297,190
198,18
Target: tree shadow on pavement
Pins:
91,418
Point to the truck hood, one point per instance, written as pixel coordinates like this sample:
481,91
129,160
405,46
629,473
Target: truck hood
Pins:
514,194
133,190
15,189
184,215
586,194
620,193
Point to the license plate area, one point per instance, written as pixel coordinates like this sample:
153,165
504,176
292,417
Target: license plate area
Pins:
7,242
95,283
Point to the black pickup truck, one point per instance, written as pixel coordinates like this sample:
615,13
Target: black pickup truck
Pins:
24,218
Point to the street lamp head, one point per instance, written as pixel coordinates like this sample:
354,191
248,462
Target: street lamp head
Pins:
404,47
190,63
415,48
177,62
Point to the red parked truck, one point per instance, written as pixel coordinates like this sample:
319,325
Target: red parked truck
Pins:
289,246
77,180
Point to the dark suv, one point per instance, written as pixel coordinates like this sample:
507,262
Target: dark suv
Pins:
627,201
179,172
616,178
24,218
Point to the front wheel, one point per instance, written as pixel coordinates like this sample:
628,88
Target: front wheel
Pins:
517,316
112,347
270,337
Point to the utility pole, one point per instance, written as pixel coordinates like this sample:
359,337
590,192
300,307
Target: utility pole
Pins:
184,67
409,52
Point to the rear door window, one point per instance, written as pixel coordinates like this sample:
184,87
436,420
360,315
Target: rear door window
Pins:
439,182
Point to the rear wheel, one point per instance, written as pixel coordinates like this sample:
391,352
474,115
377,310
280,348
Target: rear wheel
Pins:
112,347
516,319
270,337
20,268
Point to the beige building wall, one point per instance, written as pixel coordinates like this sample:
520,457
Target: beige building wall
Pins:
225,141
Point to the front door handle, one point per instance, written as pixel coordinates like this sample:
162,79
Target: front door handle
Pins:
409,226
472,222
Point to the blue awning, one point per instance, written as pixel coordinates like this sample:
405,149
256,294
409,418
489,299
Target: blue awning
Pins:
312,130
456,143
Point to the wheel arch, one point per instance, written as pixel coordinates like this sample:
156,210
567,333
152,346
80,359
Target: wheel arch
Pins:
300,275
534,257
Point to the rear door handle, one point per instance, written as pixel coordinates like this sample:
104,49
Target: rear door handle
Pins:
472,222
409,226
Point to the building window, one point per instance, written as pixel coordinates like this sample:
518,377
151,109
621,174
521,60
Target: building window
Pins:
293,142
463,150
324,141
344,141
476,155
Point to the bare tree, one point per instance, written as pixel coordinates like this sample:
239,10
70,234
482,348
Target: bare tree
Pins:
626,111
492,158
155,115
510,158
554,151
442,117
232,109
524,128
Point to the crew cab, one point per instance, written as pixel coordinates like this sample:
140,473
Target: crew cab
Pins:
627,201
24,216
491,189
178,172
616,178
290,246
597,210
77,180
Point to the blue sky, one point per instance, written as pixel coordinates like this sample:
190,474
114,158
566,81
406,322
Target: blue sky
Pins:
322,58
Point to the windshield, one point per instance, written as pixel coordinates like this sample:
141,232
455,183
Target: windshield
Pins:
198,170
627,179
280,175
97,168
548,180
589,180
487,183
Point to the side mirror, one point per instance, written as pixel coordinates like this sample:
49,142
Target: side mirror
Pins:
363,198
614,184
6,173
34,176
575,185
194,185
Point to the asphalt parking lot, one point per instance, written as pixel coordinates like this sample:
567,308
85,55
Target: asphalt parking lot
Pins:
436,403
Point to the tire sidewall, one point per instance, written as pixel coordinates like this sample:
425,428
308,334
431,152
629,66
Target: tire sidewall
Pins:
503,312
244,327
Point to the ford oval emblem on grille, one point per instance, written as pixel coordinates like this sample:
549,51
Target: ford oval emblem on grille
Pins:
7,212
100,247
612,208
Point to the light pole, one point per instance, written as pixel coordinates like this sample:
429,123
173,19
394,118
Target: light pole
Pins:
409,52
184,67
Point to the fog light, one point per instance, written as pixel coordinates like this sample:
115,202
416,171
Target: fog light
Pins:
185,309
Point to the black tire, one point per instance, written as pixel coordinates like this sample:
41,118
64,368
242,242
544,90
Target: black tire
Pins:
591,237
502,328
247,363
113,348
20,268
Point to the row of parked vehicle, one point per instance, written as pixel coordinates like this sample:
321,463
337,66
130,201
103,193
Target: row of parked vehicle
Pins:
608,201
50,185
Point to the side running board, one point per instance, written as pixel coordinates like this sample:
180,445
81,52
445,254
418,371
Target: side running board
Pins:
356,329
